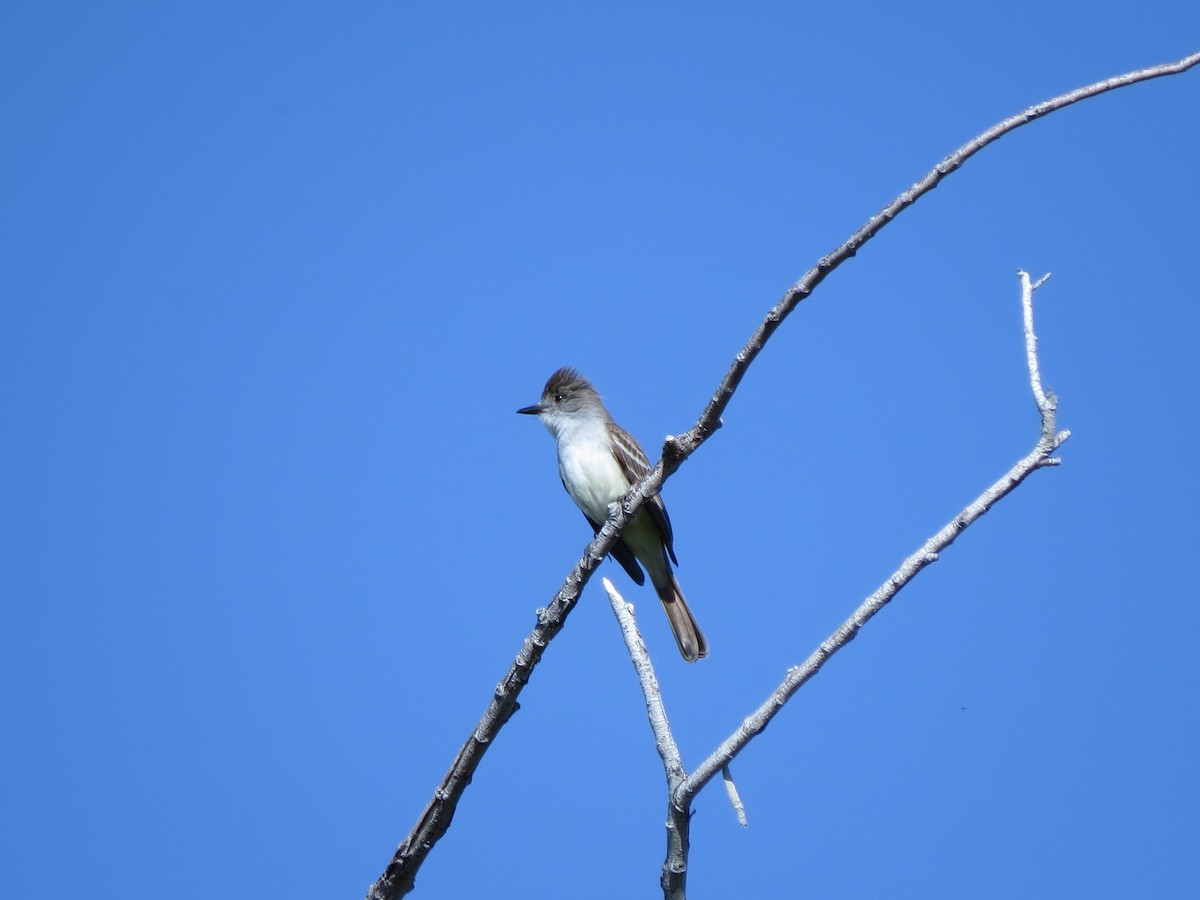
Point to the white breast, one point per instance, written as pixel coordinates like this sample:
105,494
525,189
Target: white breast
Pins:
589,470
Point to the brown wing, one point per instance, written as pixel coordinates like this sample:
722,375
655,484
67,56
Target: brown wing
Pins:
635,465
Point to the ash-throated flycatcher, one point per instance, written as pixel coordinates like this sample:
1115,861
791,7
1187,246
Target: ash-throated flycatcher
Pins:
599,461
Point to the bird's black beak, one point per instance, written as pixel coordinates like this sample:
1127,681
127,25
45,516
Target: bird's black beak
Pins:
535,410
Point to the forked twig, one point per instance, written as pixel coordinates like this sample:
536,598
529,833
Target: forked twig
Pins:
1049,440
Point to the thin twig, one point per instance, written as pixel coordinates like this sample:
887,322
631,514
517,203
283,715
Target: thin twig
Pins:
1046,401
735,798
664,741
674,873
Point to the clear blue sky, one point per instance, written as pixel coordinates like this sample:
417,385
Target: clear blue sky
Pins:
275,278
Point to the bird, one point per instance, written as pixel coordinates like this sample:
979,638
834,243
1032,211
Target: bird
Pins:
598,462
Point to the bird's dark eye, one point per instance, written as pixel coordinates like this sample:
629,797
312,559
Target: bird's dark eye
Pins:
558,398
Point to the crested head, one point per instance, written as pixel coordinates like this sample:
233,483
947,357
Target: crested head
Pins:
567,393
568,401
564,383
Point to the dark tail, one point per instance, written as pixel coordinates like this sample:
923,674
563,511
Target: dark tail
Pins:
688,635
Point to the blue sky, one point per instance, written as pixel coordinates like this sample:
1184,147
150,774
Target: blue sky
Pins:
276,277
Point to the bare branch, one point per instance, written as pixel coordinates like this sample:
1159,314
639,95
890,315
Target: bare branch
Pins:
1046,402
710,419
735,799
1048,441
664,741
399,876
679,822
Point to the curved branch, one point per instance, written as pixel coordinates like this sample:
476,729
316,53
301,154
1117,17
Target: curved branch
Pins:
710,419
400,875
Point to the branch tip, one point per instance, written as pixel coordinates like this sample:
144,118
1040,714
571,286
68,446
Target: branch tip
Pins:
735,799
